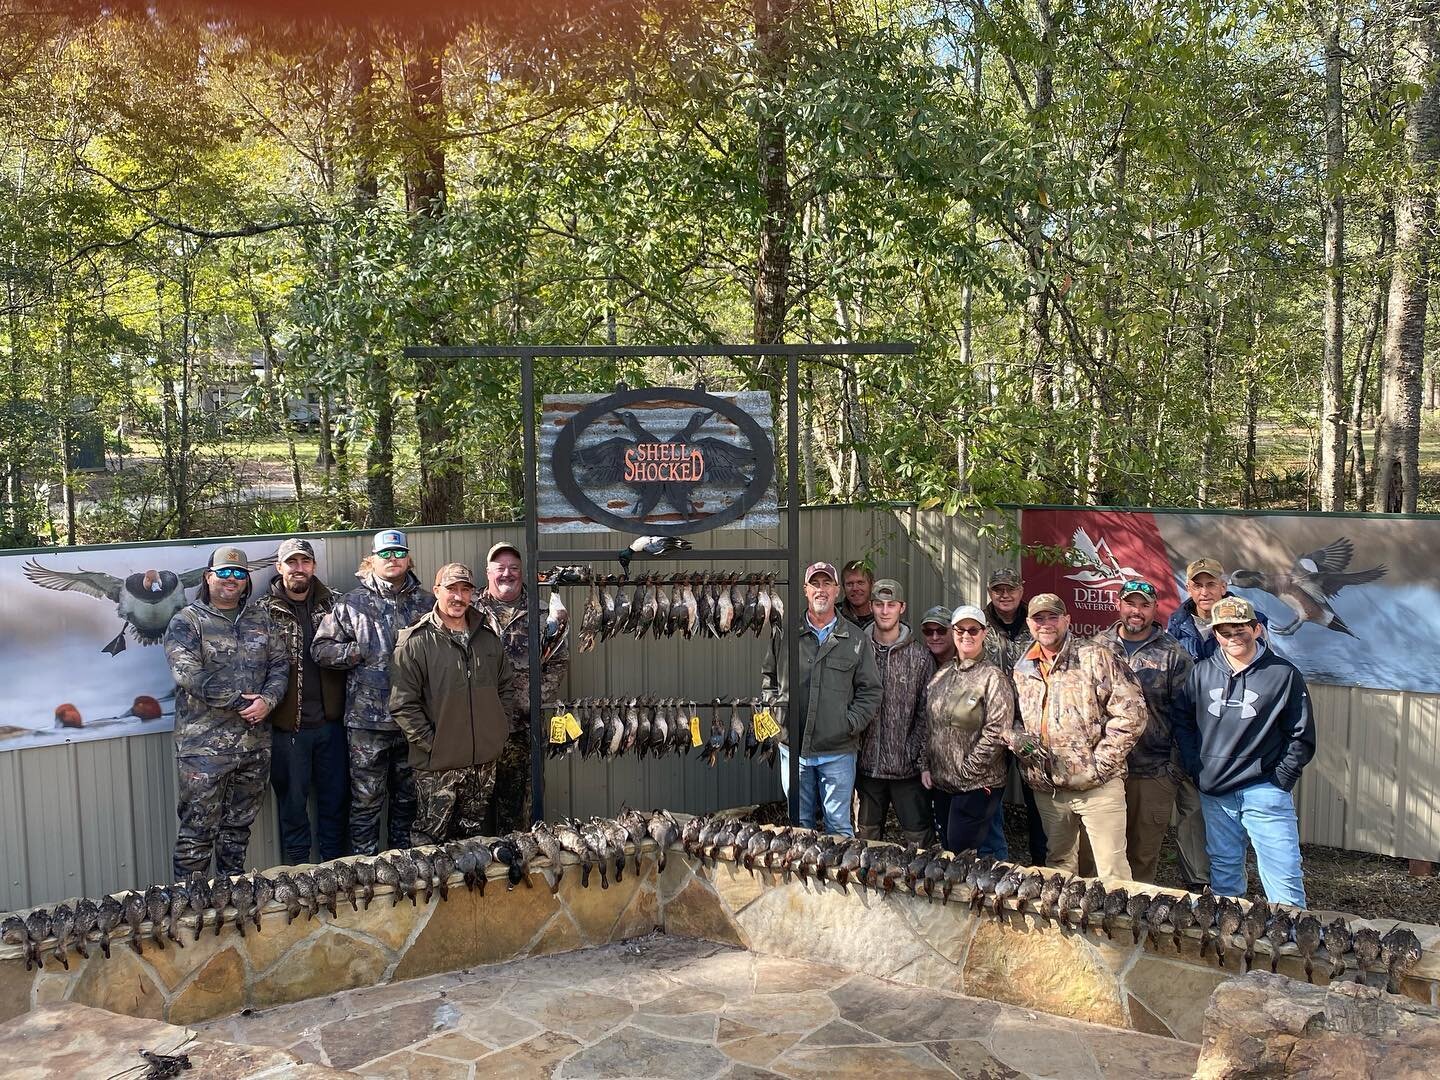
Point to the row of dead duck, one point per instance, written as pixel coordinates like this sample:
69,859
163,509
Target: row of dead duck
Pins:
993,885
614,727
690,606
599,844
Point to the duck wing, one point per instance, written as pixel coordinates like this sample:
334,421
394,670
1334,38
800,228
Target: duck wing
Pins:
94,583
1321,573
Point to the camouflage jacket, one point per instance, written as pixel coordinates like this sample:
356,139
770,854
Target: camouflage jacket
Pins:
1085,707
214,660
972,714
359,636
1002,648
332,683
510,623
1163,667
893,746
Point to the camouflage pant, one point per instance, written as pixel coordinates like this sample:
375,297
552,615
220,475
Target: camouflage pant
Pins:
219,797
380,765
453,802
510,807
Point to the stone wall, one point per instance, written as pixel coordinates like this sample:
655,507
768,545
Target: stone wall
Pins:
1023,960
221,974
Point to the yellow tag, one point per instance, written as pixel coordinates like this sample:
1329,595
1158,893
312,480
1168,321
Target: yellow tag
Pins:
572,726
764,725
695,739
557,729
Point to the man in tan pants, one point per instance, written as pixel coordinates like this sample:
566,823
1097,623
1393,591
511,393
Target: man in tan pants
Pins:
1086,711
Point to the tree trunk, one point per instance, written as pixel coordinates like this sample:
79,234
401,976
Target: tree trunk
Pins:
1397,442
275,396
772,262
441,473
1332,371
1037,303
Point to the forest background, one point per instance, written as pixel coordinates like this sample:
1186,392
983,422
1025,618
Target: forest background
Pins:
1152,253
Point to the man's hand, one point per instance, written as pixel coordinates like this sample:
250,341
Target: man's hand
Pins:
256,711
925,779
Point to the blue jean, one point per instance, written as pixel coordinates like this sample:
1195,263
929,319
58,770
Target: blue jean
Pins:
1265,815
826,782
311,759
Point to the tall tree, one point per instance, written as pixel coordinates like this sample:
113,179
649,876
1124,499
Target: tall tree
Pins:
777,208
1332,368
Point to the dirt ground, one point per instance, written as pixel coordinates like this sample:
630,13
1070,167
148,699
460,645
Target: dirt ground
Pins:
1371,886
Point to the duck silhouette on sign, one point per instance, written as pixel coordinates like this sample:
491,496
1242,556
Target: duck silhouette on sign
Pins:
724,463
1308,587
146,601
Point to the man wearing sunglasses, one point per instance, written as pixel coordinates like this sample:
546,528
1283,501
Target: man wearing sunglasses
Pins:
1153,775
230,670
358,637
1245,740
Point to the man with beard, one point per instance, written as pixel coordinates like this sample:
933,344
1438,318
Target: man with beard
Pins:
857,578
452,692
358,637
836,695
229,667
1154,774
307,738
505,606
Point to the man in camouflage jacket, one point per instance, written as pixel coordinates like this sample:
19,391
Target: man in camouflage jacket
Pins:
1085,710
504,605
1154,775
358,637
230,670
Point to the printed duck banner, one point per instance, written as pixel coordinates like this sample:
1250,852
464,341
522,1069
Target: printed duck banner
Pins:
1352,600
82,628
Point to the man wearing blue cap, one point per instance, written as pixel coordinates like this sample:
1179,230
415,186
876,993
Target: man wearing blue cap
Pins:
358,637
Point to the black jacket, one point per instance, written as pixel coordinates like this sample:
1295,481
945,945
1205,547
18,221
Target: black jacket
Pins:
1246,726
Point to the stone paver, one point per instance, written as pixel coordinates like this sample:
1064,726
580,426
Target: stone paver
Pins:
672,1007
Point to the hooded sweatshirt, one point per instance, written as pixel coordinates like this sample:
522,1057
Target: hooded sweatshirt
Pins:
1246,727
893,747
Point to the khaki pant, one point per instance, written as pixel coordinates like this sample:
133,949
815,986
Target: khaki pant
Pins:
1101,811
1149,802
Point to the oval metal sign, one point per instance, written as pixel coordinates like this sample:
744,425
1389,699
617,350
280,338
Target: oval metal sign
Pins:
673,471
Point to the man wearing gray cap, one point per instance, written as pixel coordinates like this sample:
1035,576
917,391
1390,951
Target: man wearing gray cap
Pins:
307,737
358,637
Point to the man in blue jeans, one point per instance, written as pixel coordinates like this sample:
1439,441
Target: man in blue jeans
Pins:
837,695
1246,737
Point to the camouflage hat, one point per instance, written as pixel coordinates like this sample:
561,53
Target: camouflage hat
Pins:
1232,610
939,615
231,557
1207,564
1047,601
1006,575
888,589
454,573
296,545
503,545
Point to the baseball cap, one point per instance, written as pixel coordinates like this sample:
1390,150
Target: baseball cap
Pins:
1006,575
453,573
1207,564
503,545
232,557
939,614
821,568
1137,586
1047,601
296,545
1231,610
968,611
386,539
888,589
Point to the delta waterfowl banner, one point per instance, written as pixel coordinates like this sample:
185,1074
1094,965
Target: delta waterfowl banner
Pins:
1352,600
82,628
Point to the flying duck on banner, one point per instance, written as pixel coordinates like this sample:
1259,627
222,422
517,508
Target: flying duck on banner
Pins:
662,461
82,629
1351,600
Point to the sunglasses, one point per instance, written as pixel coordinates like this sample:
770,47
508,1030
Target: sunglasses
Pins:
969,631
1138,586
934,631
393,553
231,572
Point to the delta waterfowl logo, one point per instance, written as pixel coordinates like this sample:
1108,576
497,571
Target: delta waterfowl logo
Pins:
1099,572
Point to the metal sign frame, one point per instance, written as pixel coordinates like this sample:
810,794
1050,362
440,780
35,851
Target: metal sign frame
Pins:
787,553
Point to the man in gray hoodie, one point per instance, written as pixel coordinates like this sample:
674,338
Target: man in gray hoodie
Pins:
893,749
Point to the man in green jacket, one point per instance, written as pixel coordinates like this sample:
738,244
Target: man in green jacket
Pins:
837,695
452,690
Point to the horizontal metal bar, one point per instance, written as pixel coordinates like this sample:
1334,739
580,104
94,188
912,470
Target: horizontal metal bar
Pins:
858,348
578,555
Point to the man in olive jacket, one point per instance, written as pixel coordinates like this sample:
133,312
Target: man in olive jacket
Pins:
837,695
452,690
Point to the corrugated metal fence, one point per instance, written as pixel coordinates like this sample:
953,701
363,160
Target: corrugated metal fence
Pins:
99,816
